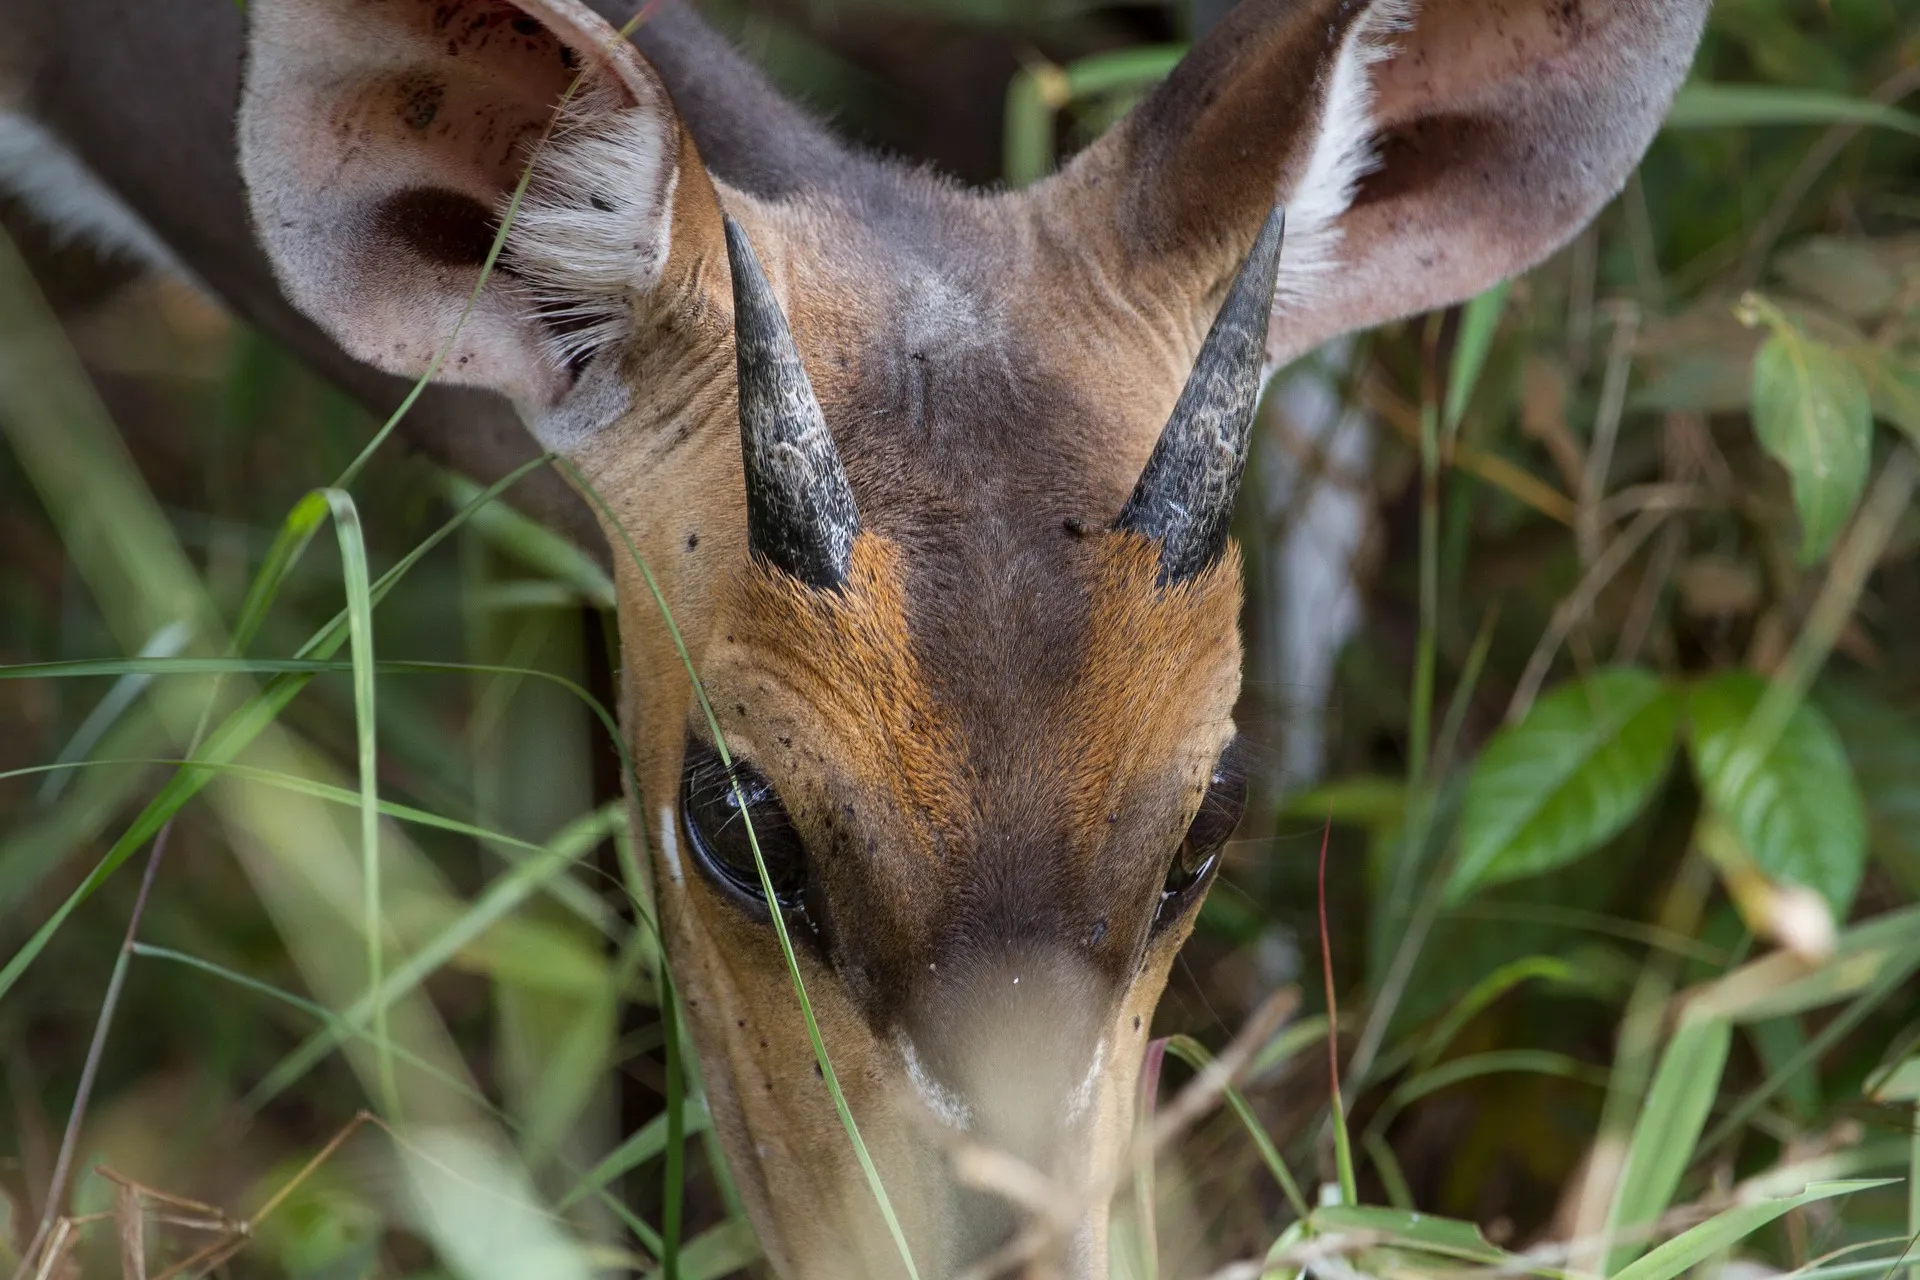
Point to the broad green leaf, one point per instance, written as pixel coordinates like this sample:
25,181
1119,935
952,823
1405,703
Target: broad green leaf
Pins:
1424,1232
1812,413
1795,806
1726,1229
1669,1126
1882,741
1721,106
1564,780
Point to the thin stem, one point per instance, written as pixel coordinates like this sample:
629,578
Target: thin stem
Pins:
1342,1146
1421,719
96,1051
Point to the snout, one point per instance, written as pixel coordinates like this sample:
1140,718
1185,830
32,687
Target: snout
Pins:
1013,1077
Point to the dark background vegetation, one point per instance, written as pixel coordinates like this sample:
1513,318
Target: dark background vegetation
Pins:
1635,702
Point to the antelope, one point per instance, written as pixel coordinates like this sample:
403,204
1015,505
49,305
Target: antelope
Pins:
935,482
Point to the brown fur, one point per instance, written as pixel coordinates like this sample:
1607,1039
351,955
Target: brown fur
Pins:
994,737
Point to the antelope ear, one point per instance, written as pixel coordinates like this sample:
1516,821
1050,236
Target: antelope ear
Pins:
1422,155
381,144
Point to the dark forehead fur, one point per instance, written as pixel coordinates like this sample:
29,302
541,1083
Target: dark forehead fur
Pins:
962,818
972,443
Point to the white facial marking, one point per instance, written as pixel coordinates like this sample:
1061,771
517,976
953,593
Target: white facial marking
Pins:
946,1105
1083,1095
670,842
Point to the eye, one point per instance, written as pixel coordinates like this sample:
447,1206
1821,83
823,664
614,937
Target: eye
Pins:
1199,853
710,808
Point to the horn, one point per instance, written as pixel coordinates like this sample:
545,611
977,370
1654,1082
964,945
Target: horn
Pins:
800,512
1184,499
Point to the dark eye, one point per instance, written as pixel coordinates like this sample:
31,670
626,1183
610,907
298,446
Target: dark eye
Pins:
710,806
1199,853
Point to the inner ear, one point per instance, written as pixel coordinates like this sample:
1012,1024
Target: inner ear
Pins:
382,145
445,228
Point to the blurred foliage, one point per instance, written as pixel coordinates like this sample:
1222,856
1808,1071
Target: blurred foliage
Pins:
1623,769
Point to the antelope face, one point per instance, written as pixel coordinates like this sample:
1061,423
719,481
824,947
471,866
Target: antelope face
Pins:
983,893
934,488
989,772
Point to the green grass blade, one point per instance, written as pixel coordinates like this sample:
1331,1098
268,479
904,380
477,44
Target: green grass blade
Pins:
1728,1228
1540,1062
353,565
673,1188
325,1016
1478,321
649,1141
1891,979
228,739
1482,994
570,894
505,895
1734,106
166,643
1195,1055
1684,1087
533,545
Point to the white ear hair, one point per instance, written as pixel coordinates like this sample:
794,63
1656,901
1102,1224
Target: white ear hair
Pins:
382,145
594,226
1342,153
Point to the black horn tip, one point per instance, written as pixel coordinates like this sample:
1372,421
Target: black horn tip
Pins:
1185,495
801,517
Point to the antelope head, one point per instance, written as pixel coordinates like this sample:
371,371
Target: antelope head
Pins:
935,486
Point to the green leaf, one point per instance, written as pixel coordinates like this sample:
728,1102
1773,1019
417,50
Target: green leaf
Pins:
1724,1230
1564,780
1794,805
1723,106
1882,741
1447,1237
1478,320
1669,1127
1812,413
